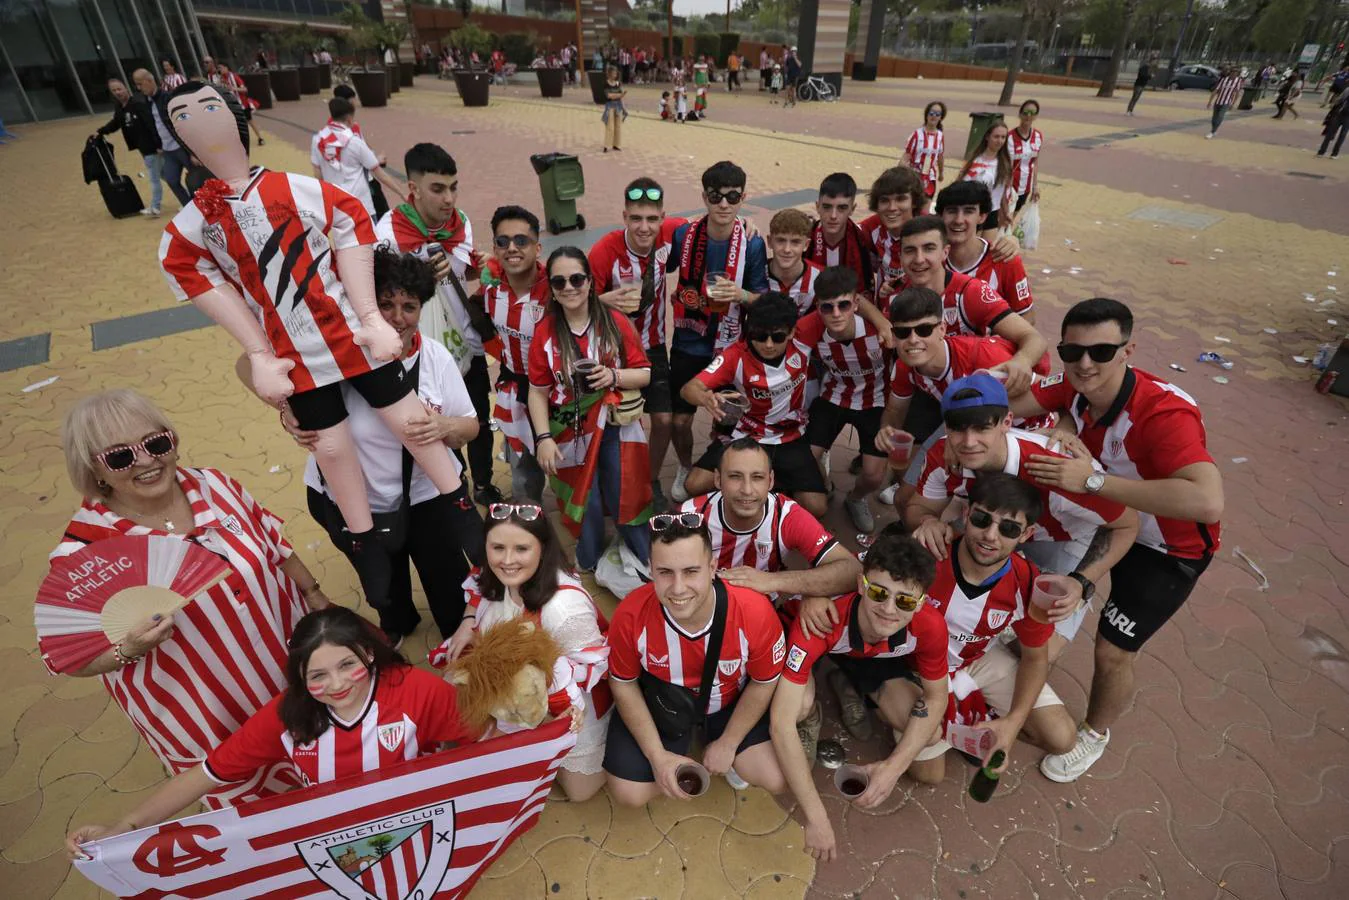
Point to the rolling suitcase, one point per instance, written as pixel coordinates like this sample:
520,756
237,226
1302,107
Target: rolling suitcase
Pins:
119,191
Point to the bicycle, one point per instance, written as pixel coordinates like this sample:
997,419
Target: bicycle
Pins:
816,88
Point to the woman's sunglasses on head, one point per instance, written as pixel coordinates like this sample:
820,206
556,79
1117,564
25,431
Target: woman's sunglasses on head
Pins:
525,512
575,279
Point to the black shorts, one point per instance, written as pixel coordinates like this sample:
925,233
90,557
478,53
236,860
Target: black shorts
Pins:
795,470
868,675
657,394
924,416
827,420
324,407
683,368
990,222
1146,588
623,757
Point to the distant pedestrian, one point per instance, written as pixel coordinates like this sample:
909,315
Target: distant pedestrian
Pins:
1141,82
1339,82
1336,122
1224,94
1295,82
172,78
765,69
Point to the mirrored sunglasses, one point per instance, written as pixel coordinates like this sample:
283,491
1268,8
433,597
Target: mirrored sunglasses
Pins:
878,594
652,193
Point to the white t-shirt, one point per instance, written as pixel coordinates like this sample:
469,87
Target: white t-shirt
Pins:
346,160
441,387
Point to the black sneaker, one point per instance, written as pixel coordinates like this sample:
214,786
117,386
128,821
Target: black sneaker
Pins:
487,494
371,562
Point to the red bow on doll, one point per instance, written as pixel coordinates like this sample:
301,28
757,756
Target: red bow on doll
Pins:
210,197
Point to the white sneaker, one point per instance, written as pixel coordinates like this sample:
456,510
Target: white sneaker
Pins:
860,513
1209,136
1068,767
150,213
887,495
735,781
678,493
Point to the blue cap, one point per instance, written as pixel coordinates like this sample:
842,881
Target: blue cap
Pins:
990,392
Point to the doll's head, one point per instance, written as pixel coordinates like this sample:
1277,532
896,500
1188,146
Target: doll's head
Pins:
212,127
505,675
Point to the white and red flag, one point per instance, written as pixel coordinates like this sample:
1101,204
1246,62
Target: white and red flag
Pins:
427,828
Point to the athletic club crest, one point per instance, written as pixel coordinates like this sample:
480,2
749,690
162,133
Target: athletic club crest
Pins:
763,548
997,618
391,735
398,858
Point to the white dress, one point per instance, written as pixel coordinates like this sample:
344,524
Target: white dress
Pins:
572,620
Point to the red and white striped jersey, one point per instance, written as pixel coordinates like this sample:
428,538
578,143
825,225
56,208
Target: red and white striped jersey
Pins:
853,371
970,306
1151,430
515,317
924,639
1064,516
345,159
854,251
776,392
1007,278
924,149
408,713
643,637
985,170
613,262
977,613
271,242
802,290
226,657
1227,90
889,266
785,527
965,355
545,357
1025,153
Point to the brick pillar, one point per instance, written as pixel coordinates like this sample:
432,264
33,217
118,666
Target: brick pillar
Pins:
823,38
870,23
594,27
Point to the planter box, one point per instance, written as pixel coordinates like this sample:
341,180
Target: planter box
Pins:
372,88
391,73
863,72
597,86
286,84
550,82
309,80
405,73
259,86
325,76
474,87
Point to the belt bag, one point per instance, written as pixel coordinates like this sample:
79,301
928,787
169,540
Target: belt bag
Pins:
675,709
630,408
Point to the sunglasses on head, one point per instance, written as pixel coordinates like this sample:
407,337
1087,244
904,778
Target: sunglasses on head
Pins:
925,330
575,279
982,518
1101,353
666,521
831,306
525,512
521,241
651,193
878,594
732,197
776,337
123,456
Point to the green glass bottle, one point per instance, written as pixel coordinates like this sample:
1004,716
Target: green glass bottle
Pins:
985,781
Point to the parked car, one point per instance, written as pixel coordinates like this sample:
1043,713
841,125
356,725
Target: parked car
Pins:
1195,76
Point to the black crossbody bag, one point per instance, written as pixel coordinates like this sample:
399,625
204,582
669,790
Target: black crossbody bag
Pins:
675,709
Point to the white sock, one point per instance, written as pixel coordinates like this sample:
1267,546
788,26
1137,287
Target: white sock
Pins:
1094,734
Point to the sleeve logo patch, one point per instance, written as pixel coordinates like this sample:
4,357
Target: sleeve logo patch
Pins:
795,658
779,648
1051,380
1022,290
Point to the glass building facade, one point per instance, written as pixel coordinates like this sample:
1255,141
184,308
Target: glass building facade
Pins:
59,54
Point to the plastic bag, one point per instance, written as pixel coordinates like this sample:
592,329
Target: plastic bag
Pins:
1030,226
442,322
620,571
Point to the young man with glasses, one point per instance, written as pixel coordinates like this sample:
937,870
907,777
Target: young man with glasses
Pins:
629,266
851,354
890,644
982,587
1150,437
962,206
515,293
767,368
706,309
658,646
1076,534
431,225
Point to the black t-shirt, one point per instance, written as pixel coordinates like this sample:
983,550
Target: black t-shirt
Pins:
1144,75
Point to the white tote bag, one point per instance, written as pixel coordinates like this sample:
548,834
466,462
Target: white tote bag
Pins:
1030,226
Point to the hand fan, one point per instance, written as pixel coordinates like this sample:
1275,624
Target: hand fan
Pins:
92,598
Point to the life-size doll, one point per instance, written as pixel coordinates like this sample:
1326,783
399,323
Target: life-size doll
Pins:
283,262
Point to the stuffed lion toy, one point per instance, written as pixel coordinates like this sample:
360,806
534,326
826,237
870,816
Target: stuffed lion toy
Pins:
512,677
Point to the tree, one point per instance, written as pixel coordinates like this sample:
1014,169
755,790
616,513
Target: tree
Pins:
1130,11
1281,25
364,33
380,844
1028,14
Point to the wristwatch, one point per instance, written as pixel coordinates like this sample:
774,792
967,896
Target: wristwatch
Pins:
1095,481
1088,586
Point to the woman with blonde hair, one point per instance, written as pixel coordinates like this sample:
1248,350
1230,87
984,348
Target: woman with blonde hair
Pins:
188,680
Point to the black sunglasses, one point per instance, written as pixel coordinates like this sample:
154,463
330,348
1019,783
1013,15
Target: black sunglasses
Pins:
651,193
521,241
525,512
925,330
123,456
980,518
575,279
828,307
1101,353
777,337
732,197
666,521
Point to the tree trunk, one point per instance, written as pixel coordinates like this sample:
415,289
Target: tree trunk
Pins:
1117,54
1014,60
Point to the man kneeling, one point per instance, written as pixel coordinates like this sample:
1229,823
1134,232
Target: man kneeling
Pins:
689,652
881,627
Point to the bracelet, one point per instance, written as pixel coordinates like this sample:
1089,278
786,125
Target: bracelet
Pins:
543,437
615,371
122,658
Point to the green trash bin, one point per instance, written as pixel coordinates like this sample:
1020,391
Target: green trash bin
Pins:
980,122
561,180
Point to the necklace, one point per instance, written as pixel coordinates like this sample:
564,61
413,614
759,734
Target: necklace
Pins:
168,523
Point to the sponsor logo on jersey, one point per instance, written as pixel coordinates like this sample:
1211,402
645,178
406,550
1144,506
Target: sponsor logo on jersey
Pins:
662,662
779,649
1051,380
795,657
1022,290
